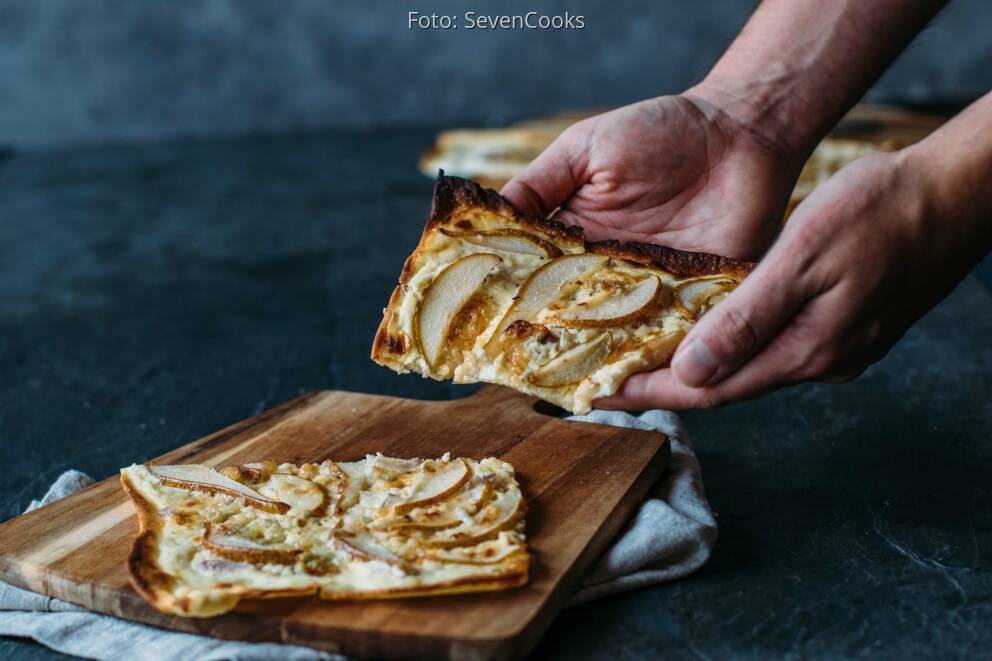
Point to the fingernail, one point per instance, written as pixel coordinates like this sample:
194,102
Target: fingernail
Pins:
695,365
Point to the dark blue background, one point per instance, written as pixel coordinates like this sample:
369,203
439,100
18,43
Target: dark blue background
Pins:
141,69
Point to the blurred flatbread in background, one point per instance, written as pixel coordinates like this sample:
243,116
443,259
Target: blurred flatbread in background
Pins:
494,156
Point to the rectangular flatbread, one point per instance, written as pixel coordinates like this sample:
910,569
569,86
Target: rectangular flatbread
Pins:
494,296
375,528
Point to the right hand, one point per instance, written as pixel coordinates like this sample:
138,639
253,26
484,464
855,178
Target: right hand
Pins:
674,170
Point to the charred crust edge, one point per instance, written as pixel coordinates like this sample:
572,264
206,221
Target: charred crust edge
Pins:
146,578
679,263
452,194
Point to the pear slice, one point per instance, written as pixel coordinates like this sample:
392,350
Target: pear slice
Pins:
221,541
448,293
355,471
436,483
194,477
441,515
435,518
362,547
541,289
695,297
391,466
299,493
508,240
573,365
486,553
338,488
250,473
615,310
473,499
503,512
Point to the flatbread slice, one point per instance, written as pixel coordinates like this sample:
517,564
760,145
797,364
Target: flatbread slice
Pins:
492,295
375,528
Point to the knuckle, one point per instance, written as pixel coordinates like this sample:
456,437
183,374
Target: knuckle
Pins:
735,335
708,401
819,361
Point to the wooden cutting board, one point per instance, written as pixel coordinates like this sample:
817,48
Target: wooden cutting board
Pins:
582,481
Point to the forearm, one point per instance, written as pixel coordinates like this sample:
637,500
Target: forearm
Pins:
799,65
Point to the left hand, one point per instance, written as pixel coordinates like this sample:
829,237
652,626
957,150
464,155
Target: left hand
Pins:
863,257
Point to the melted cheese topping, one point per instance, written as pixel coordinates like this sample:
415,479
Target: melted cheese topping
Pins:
356,545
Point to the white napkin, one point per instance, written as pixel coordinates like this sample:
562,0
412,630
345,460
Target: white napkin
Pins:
670,536
673,532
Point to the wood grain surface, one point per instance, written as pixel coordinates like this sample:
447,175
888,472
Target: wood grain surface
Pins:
581,481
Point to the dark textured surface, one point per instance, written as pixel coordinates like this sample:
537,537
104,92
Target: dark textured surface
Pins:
151,295
142,69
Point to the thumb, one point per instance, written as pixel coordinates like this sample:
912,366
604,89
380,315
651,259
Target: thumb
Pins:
736,329
548,181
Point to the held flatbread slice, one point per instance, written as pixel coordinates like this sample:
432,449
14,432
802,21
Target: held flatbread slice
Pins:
492,295
375,528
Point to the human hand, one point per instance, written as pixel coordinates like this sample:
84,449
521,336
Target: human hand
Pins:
868,253
675,170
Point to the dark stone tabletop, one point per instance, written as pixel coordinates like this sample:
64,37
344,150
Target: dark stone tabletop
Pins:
152,294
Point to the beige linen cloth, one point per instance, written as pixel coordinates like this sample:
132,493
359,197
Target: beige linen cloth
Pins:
670,536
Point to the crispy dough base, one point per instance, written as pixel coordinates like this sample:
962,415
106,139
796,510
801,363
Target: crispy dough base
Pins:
156,587
455,198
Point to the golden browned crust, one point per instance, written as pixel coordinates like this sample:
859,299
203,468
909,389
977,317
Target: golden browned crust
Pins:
454,194
679,263
154,585
514,576
383,342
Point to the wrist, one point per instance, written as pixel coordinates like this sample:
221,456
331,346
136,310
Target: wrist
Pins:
952,194
770,112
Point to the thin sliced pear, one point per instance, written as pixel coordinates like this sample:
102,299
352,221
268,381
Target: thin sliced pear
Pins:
573,365
695,297
195,477
355,472
615,310
542,289
508,240
436,484
299,493
442,515
487,553
473,499
221,541
501,513
450,290
364,548
337,489
430,519
391,466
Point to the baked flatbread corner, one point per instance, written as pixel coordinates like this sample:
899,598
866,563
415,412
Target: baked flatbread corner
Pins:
492,295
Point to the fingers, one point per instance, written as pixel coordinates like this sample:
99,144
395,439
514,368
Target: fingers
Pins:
773,368
653,390
734,331
549,180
